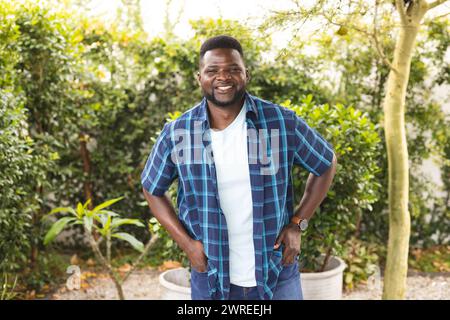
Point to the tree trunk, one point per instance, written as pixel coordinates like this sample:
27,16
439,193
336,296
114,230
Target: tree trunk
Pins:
87,186
395,131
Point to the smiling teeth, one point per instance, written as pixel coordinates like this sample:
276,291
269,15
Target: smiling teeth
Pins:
224,88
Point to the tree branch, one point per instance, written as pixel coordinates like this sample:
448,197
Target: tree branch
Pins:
372,36
399,4
114,277
349,26
441,16
377,43
143,254
435,18
434,4
108,248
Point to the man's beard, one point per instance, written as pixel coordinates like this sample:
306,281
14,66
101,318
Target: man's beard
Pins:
239,94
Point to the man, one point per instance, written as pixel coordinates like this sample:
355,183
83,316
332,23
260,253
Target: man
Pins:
233,154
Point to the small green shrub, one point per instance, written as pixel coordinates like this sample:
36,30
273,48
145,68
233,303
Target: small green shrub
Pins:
362,261
355,187
101,225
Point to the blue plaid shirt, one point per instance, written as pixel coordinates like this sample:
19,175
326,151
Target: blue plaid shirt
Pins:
271,183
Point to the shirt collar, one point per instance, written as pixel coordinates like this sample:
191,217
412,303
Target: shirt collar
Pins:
249,104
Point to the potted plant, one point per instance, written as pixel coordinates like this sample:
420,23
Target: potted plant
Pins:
355,188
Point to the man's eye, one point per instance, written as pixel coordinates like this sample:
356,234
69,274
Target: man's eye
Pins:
211,71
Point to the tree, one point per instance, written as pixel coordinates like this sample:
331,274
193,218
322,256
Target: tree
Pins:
411,16
359,79
364,18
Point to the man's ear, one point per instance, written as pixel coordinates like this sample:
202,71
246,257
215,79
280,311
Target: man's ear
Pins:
198,78
247,75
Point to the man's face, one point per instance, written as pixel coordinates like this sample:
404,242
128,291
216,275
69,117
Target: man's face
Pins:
223,77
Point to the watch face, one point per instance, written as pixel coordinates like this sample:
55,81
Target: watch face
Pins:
303,225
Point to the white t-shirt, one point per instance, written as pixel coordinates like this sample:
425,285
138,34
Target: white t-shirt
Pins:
229,147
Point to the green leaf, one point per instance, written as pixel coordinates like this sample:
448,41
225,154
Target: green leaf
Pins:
108,212
106,204
88,221
107,224
56,228
135,243
118,222
80,210
62,209
348,278
86,203
102,218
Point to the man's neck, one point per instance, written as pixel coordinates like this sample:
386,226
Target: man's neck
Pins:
221,117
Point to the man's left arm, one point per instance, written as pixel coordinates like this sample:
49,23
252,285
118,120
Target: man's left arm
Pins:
315,192
315,155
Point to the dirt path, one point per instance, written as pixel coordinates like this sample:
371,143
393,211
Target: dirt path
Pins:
143,285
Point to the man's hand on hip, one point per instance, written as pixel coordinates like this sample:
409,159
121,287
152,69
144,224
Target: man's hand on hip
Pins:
197,257
290,236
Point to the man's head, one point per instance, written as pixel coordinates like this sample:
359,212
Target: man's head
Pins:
222,74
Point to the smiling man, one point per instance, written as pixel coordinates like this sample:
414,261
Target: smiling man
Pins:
233,155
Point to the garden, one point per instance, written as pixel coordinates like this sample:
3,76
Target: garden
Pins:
84,97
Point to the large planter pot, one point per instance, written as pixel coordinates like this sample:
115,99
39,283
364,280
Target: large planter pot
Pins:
175,284
326,285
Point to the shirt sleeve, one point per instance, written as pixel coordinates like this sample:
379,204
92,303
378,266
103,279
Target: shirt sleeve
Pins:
312,151
159,171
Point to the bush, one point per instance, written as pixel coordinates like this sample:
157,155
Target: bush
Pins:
362,262
355,187
33,68
20,166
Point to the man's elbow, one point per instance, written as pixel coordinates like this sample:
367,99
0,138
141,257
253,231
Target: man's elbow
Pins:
333,165
334,161
332,168
147,194
150,196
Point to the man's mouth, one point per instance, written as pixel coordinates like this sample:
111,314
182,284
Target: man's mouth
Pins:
223,89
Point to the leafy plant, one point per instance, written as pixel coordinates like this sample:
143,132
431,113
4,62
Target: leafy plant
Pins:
106,224
362,262
433,259
355,186
7,289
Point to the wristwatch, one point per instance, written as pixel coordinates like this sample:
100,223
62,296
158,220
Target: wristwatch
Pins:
301,223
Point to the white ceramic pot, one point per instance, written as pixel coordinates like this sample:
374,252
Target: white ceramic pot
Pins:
326,285
175,284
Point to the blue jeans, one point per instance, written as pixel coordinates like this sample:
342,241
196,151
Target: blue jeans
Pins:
288,286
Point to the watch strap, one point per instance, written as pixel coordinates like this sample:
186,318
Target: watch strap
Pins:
296,220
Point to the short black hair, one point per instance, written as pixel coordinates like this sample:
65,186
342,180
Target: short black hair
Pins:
221,42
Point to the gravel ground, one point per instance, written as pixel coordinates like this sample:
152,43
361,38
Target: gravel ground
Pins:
420,286
143,285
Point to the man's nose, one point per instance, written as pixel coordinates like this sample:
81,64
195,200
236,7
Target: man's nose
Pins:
223,74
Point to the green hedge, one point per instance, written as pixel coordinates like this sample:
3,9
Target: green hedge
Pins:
355,187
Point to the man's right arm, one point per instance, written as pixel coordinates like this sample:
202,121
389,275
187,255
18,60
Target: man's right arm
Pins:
163,210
